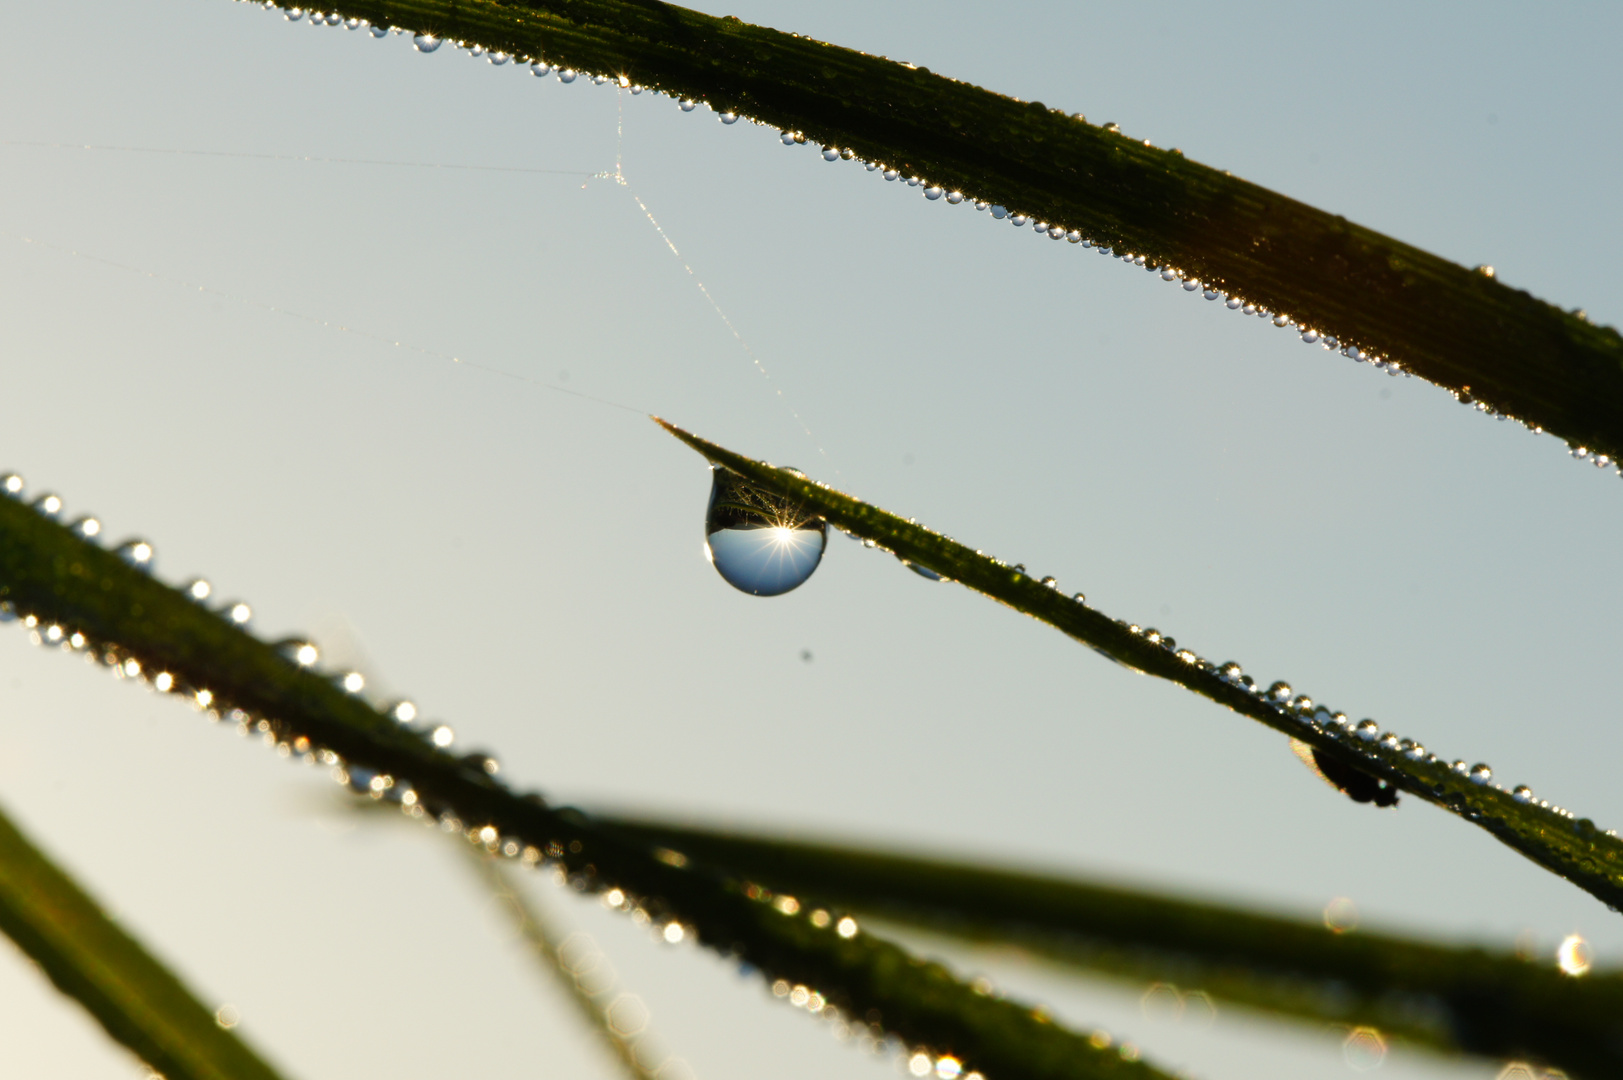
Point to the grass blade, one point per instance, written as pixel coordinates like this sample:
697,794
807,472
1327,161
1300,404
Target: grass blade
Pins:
1553,837
92,960
1471,1000
67,589
1461,329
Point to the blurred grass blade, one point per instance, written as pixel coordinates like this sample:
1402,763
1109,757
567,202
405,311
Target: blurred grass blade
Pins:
129,992
544,942
68,590
1459,328
1471,1000
1553,838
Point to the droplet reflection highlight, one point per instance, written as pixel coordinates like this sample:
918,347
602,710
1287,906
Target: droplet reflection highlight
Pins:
758,541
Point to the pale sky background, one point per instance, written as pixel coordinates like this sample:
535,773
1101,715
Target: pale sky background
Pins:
526,563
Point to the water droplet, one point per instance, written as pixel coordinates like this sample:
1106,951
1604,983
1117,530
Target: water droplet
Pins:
1282,320
87,527
1230,671
426,43
1073,237
1485,270
1364,1049
847,154
1000,212
830,154
239,613
1279,691
1191,285
568,75
379,31
198,589
138,553
729,117
922,571
1233,303
1415,752
687,104
540,70
403,712
443,736
1019,220
354,682
302,653
933,193
1522,794
1079,598
1367,730
11,484
760,542
499,58
1481,773
1572,956
48,505
955,197
1212,294
294,14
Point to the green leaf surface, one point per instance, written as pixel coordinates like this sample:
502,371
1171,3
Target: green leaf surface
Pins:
1473,1000
92,960
1552,837
72,591
1461,329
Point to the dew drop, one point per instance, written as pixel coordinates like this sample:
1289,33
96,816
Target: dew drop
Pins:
199,589
499,58
403,712
758,541
1280,692
443,736
1572,957
11,484
1522,794
240,613
830,154
426,43
540,70
955,197
1481,773
302,653
1000,212
138,553
48,505
568,75
87,527
729,117
933,193
379,31
687,104
1367,730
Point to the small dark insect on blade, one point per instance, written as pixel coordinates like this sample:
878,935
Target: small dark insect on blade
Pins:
1356,784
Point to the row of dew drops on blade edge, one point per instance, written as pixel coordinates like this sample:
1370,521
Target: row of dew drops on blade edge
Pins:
868,1032
1364,736
428,43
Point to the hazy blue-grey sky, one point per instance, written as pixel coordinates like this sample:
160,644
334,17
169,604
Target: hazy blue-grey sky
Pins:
245,357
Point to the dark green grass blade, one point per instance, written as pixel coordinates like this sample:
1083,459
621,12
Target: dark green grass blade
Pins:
1460,329
129,992
1569,846
51,577
1472,1000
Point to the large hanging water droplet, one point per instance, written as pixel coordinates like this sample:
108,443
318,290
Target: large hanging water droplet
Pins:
760,542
